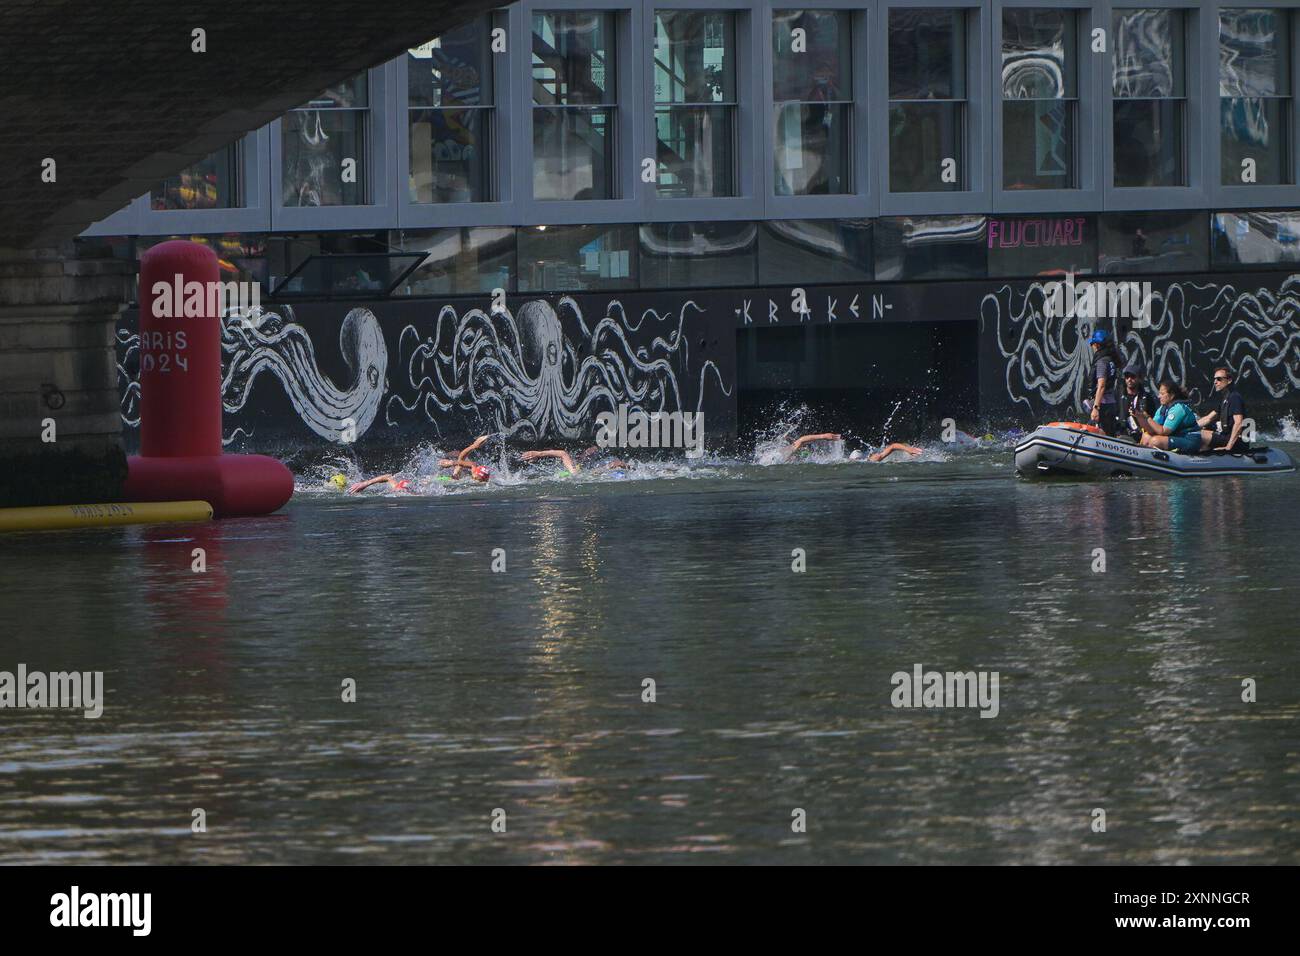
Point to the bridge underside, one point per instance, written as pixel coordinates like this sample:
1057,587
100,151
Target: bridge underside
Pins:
115,94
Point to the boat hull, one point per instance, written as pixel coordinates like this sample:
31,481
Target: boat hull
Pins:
1057,451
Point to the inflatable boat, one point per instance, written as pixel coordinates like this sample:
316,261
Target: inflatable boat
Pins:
1069,448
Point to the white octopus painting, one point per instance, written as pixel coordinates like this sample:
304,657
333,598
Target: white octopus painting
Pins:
268,343
1193,326
521,376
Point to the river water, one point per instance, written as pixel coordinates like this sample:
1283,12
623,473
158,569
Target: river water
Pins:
521,690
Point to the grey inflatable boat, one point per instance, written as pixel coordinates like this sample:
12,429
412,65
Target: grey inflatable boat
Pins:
1071,449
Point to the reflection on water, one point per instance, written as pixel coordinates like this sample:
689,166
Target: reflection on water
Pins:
523,690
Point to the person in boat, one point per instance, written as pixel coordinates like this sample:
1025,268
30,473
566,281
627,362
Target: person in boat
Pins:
1228,419
1136,396
1174,426
1103,406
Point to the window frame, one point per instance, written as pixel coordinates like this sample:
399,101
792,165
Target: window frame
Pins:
1196,149
978,196
862,201
629,134
502,140
379,210
1087,195
1255,196
656,208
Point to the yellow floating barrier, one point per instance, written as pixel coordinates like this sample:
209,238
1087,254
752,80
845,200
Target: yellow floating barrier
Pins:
55,517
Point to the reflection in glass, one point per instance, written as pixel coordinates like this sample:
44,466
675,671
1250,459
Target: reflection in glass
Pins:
813,95
1147,81
823,71
324,148
927,100
1148,142
573,258
921,136
825,251
685,255
211,183
812,148
695,97
450,117
931,247
460,261
1254,96
573,153
573,105
1255,238
1174,241
1039,99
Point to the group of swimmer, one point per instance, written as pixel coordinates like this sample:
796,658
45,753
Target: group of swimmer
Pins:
1165,420
463,465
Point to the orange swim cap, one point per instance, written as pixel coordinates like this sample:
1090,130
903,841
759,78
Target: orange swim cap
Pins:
402,485
480,473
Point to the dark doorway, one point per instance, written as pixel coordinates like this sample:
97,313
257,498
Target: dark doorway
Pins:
891,380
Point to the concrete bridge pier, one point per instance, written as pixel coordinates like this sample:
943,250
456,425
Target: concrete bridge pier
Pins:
60,424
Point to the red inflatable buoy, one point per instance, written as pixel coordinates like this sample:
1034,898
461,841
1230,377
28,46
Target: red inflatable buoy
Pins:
180,394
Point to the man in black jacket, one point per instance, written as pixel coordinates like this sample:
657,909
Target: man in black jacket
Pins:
1135,396
1229,419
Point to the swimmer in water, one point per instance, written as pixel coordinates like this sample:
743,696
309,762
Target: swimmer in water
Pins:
571,466
803,440
885,452
462,461
397,484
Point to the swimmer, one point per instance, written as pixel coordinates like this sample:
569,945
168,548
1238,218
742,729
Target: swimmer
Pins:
462,460
885,452
339,481
615,465
803,440
569,464
397,484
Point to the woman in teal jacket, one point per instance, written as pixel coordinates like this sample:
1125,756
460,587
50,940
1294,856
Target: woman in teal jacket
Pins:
1174,426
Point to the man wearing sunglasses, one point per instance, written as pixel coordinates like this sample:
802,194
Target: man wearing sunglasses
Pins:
1229,419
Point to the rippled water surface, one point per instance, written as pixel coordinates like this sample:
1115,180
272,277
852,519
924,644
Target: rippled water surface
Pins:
522,690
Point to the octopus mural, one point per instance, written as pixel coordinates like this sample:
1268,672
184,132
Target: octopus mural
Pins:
274,344
1047,361
521,376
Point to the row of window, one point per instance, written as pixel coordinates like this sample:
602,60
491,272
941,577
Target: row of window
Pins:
455,87
569,258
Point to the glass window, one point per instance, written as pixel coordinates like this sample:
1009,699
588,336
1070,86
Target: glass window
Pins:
211,183
825,251
459,261
693,255
1042,245
1255,238
927,100
1254,96
450,116
1173,241
812,93
1039,99
1150,101
324,148
931,247
574,104
574,258
695,103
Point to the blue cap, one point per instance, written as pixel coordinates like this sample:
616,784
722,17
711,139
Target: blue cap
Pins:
1098,337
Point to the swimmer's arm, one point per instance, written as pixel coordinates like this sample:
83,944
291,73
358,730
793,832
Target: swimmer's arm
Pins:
890,449
361,486
808,440
552,453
